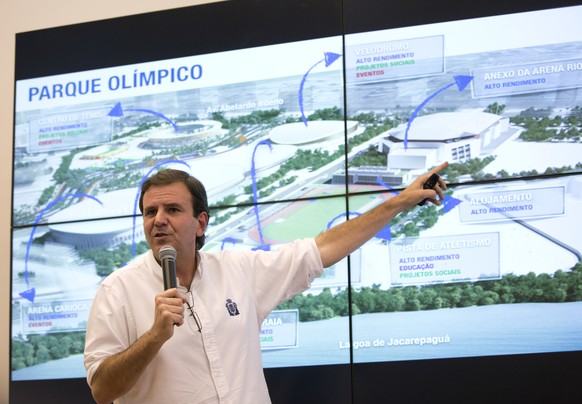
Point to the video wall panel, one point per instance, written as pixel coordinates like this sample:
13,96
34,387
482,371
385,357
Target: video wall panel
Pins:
451,286
469,92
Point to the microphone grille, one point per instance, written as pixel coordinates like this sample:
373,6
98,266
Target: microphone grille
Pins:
167,252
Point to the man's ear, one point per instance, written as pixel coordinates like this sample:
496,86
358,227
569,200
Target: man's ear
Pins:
202,223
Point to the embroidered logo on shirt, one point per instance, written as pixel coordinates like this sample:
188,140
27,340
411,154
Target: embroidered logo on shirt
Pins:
232,308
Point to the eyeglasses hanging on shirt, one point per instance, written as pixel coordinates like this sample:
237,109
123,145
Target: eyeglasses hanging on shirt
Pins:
193,319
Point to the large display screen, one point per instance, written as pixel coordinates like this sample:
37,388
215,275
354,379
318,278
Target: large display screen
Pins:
294,136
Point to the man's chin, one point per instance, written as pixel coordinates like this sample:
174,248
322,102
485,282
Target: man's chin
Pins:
161,241
158,242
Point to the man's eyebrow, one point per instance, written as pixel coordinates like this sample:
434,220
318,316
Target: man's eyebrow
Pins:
165,204
172,204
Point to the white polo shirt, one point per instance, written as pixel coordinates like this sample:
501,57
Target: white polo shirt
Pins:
233,292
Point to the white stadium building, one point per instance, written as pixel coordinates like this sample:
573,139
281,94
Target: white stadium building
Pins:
450,136
189,132
85,224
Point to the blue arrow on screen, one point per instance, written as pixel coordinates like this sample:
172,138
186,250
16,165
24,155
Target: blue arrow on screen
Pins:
263,245
449,203
227,240
460,81
328,58
30,293
117,111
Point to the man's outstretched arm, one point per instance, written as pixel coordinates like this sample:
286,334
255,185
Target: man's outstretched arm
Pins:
339,241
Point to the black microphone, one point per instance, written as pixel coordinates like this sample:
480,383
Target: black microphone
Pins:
168,258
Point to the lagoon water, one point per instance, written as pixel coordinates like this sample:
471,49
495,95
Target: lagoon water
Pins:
471,331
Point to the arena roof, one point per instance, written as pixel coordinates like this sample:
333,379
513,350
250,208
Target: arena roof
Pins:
298,133
444,126
203,129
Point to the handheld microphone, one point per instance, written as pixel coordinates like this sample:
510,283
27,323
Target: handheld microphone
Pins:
168,258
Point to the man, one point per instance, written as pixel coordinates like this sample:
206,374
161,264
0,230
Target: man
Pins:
138,349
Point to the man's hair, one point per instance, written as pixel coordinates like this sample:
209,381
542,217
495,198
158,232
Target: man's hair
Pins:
197,191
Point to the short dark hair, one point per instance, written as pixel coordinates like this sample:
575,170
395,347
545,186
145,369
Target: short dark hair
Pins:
197,191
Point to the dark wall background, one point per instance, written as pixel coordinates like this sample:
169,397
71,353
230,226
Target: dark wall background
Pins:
542,378
539,378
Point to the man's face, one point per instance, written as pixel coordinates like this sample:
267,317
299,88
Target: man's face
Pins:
168,218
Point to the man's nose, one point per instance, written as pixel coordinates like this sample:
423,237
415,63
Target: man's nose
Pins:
160,219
